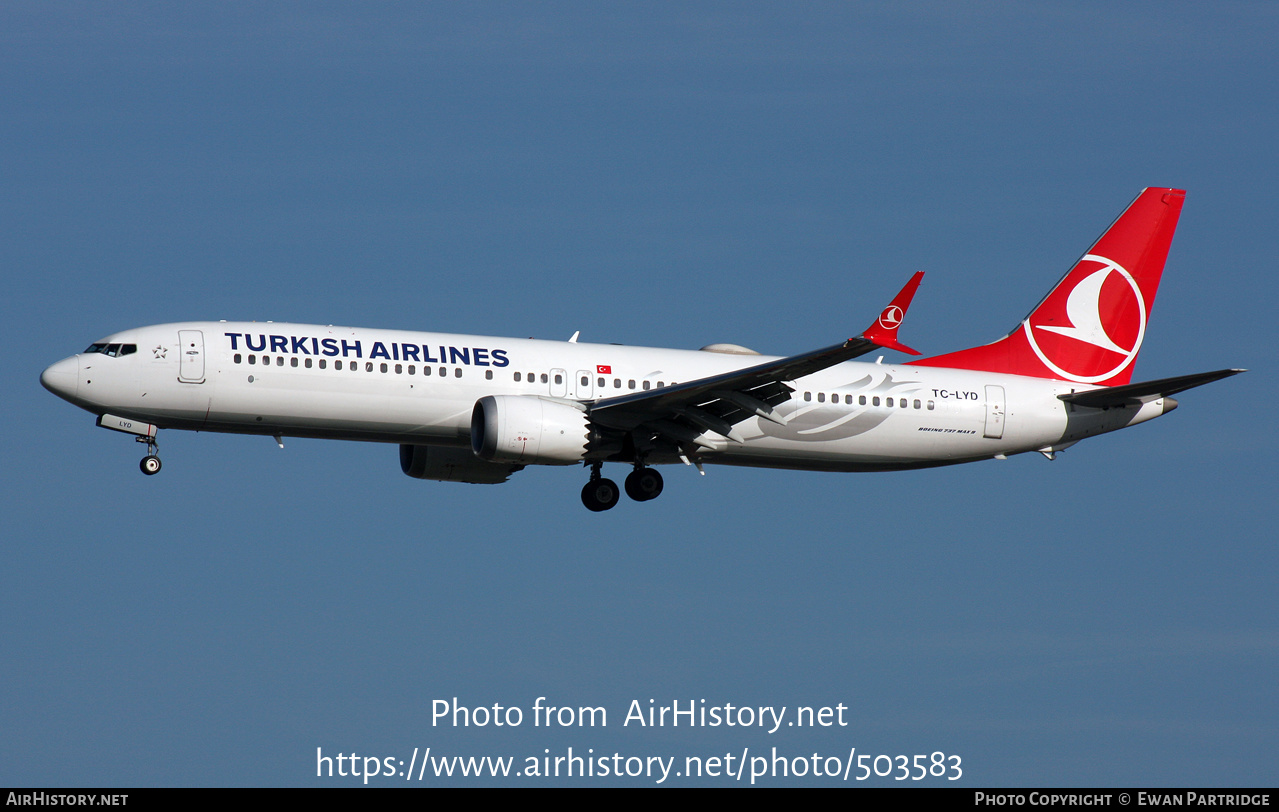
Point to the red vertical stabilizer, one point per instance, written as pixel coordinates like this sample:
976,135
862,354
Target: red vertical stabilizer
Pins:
1089,329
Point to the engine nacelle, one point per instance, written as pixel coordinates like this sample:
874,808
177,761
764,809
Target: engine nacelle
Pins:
452,465
528,430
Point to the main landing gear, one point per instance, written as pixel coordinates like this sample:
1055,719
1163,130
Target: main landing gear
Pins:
150,464
643,484
600,494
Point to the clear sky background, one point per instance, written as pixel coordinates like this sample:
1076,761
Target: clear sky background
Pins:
648,173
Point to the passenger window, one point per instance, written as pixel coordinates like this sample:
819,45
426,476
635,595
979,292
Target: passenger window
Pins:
645,385
324,363
336,364
617,383
426,372
902,403
444,371
917,403
237,358
821,397
601,383
808,396
368,366
586,381
253,359
532,378
861,400
517,377
874,401
279,360
544,378
412,369
660,384
293,362
930,405
457,373
630,384
889,402
848,399
488,374
308,363
266,360
559,378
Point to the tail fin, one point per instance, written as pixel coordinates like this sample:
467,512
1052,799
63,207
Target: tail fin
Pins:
1089,329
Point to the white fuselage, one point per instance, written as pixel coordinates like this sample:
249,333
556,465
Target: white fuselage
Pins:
420,388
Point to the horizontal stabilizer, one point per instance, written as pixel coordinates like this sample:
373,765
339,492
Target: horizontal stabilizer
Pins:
1137,393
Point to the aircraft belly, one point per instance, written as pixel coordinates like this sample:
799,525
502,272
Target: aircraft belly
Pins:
287,403
894,439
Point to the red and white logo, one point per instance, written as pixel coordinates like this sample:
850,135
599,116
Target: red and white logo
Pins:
1092,331
891,318
603,369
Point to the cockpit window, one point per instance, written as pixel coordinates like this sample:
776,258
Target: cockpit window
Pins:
112,349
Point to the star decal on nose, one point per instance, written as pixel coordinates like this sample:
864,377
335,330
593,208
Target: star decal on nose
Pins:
159,352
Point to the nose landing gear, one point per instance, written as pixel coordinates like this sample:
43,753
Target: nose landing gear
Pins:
150,464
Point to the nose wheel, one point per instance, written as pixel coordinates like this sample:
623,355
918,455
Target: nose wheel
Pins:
150,464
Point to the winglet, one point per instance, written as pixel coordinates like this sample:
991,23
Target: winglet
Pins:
884,331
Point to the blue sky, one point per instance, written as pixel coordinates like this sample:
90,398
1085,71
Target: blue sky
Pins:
658,174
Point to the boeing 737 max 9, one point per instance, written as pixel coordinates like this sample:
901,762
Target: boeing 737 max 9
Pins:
476,409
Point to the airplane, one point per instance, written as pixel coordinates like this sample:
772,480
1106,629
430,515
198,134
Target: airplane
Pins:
477,409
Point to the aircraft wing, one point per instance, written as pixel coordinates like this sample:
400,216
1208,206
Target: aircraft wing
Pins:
684,411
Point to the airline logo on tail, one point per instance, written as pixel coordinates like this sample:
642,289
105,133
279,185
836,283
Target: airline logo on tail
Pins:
1104,309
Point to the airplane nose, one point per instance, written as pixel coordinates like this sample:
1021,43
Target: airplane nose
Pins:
61,378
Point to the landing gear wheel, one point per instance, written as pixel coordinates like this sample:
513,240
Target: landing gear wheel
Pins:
150,465
643,484
600,494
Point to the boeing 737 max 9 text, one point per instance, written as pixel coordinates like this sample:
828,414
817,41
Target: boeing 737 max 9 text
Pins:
477,409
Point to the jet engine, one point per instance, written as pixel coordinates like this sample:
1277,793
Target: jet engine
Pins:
528,430
451,465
